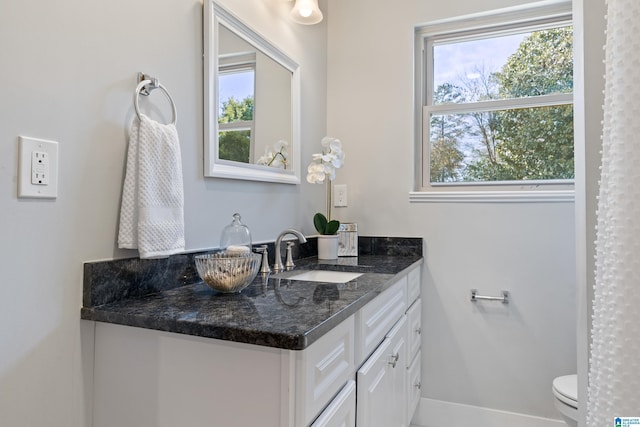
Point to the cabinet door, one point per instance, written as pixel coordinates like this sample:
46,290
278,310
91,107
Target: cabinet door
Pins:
414,317
373,391
382,391
342,410
398,377
414,385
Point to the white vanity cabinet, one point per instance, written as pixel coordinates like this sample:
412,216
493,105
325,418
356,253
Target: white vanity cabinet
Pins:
387,395
358,372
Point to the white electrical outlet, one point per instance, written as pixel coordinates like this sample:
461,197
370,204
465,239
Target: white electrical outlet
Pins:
38,168
340,195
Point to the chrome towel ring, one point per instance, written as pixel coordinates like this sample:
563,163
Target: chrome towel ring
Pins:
145,86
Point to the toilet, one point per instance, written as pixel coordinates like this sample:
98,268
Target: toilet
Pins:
565,391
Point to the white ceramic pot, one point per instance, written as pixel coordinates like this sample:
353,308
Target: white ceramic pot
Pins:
328,247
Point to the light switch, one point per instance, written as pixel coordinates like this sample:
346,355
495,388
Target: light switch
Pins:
38,168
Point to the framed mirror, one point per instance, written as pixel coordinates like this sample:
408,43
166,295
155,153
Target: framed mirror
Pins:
251,103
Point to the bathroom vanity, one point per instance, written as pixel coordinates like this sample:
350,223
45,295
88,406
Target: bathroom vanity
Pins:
282,353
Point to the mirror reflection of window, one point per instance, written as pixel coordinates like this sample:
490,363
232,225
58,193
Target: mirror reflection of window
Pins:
251,104
236,100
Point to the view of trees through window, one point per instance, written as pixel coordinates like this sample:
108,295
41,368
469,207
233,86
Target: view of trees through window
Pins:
235,115
499,133
234,144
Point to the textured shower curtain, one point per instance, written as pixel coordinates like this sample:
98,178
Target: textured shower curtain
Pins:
614,377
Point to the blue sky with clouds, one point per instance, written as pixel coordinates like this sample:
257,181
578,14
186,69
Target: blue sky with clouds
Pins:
461,59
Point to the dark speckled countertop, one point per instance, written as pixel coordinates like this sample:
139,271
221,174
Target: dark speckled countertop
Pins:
273,311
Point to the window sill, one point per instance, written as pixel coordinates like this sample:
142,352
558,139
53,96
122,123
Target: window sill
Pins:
531,196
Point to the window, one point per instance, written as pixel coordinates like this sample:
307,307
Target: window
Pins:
236,86
495,101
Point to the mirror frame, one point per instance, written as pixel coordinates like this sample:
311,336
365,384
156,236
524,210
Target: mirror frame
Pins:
215,15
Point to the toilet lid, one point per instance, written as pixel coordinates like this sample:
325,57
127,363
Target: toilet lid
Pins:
565,388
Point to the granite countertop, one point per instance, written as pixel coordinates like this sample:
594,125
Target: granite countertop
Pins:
272,311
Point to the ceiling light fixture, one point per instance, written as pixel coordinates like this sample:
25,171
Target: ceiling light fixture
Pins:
306,12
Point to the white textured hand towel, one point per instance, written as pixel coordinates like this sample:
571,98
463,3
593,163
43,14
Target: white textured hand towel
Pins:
152,211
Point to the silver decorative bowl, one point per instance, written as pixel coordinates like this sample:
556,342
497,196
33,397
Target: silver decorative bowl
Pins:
228,273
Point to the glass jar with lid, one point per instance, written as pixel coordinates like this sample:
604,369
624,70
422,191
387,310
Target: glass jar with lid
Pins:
235,238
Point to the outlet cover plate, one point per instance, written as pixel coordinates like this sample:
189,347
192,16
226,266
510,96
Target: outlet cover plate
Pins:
340,195
27,185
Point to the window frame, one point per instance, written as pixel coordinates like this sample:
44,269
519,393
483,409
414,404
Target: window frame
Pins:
472,27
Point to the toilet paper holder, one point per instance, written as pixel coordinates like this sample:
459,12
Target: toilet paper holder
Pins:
503,299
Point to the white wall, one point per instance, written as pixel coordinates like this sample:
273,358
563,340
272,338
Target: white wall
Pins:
486,354
68,74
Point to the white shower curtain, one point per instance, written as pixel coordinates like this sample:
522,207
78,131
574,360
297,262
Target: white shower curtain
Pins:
614,377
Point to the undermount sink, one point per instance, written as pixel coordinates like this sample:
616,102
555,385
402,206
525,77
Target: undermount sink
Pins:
327,276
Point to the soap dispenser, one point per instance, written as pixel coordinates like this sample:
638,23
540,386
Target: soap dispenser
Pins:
235,238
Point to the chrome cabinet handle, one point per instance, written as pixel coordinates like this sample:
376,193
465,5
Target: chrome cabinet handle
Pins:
418,330
418,385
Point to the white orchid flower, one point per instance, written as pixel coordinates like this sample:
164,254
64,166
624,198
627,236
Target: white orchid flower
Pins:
316,173
339,160
277,157
322,169
326,141
265,158
330,171
335,145
328,157
335,158
325,164
276,161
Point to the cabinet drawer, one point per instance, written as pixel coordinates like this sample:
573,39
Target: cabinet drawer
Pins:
413,285
322,370
376,318
414,316
414,384
341,412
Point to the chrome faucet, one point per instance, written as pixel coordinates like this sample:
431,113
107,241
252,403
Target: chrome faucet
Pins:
278,256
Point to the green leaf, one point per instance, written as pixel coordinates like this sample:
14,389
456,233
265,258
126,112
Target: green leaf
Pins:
325,227
320,222
332,227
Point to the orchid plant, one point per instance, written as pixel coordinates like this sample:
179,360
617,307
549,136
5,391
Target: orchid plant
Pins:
275,157
322,170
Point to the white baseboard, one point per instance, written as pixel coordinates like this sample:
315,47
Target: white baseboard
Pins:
438,413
